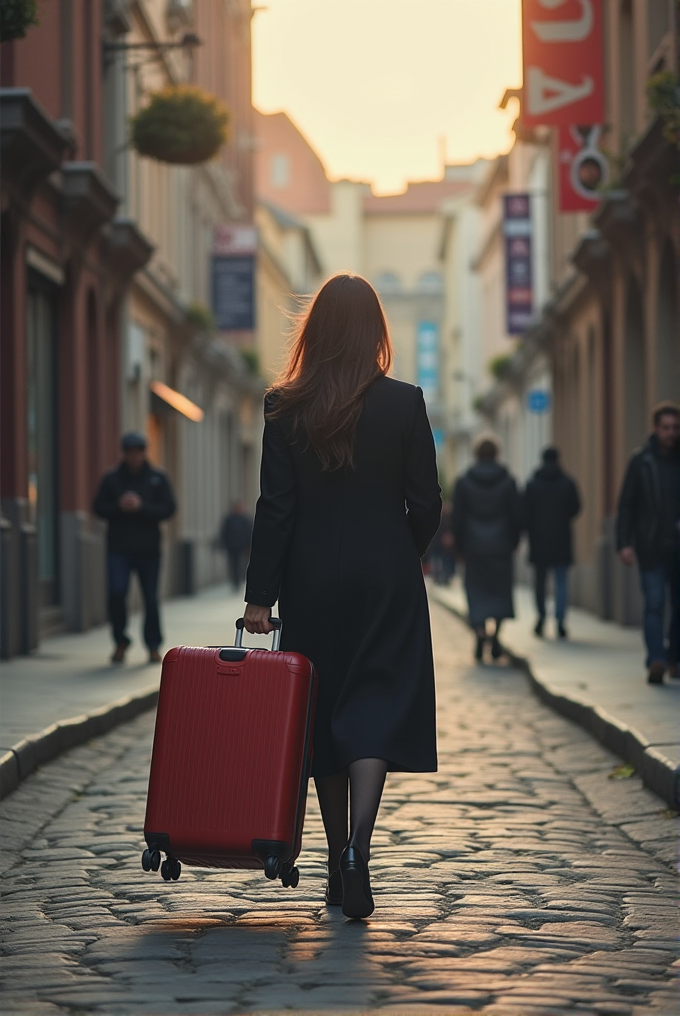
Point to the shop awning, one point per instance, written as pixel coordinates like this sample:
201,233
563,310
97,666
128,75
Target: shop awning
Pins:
177,401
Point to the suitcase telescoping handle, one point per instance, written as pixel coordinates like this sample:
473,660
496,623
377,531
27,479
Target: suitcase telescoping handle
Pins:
276,642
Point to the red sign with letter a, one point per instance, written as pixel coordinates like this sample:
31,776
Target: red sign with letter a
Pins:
563,66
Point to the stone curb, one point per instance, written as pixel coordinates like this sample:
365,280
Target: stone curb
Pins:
23,758
654,768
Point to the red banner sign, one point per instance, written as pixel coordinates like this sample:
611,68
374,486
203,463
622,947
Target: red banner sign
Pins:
563,65
583,169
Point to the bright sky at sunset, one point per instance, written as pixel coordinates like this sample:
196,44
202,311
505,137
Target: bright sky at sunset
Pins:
374,84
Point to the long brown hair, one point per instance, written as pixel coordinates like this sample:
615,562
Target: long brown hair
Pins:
341,344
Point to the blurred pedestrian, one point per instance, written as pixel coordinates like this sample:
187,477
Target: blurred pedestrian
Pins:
440,554
235,534
348,505
486,530
551,502
648,528
134,498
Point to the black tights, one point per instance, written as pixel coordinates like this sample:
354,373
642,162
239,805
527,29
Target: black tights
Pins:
363,782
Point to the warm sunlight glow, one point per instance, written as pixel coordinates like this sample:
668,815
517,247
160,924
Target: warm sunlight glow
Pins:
385,89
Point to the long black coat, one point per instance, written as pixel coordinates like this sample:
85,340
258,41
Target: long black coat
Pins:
341,550
486,528
551,501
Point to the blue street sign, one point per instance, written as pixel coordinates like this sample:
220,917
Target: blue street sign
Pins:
538,401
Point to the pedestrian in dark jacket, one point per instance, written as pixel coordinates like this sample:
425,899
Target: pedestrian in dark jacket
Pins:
551,502
235,534
348,505
134,498
486,530
648,528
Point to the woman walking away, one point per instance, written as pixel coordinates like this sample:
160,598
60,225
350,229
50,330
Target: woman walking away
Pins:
349,502
486,530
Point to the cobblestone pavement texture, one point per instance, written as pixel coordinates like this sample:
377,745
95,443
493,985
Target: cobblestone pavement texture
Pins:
519,879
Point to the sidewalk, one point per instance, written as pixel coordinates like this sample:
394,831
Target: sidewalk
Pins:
596,678
67,691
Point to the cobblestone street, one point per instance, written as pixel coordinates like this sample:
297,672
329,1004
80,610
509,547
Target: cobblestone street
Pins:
518,879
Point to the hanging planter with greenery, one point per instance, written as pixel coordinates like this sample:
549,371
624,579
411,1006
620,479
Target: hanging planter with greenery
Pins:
663,96
16,17
182,125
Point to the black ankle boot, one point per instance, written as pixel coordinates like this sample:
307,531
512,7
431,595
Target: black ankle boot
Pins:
357,899
479,648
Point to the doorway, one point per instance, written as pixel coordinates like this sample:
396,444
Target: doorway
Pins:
42,433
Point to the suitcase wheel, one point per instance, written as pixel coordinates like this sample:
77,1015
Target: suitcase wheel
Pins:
272,866
290,879
151,860
171,869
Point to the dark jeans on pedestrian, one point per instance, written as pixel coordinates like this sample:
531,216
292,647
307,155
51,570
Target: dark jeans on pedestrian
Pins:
561,590
661,588
120,567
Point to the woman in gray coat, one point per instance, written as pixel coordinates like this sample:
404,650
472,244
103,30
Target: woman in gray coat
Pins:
486,529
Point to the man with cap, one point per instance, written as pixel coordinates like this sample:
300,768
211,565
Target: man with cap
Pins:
134,498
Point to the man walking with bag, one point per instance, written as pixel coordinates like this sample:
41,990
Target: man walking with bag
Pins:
134,498
551,502
648,528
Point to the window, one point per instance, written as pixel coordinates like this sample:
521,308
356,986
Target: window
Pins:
657,24
388,283
429,282
626,72
280,171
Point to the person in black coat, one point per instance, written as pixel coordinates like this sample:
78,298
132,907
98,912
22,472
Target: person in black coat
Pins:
551,502
134,498
648,528
349,502
235,533
486,530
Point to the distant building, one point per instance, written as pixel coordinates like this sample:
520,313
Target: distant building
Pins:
393,241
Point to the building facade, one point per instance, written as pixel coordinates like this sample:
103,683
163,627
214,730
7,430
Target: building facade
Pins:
169,341
514,370
68,254
610,326
106,292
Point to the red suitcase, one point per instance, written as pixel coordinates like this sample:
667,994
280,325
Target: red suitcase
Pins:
231,758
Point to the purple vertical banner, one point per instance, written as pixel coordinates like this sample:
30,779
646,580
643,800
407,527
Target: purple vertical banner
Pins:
517,233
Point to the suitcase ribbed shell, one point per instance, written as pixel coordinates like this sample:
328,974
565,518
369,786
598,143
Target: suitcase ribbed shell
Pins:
231,754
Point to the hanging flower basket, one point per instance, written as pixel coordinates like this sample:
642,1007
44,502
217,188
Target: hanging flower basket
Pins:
16,17
663,96
182,125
